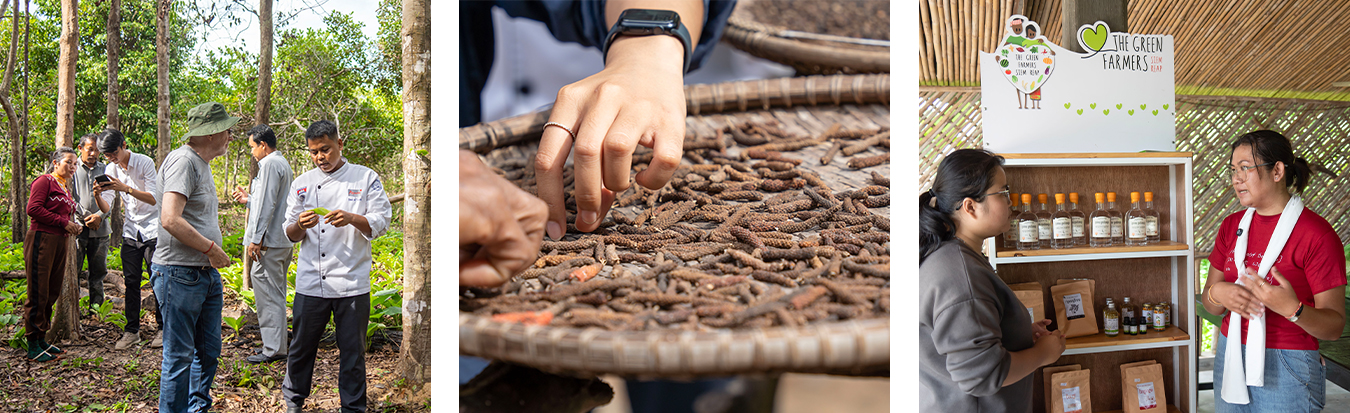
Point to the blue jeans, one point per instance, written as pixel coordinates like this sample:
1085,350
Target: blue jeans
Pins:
1296,381
190,299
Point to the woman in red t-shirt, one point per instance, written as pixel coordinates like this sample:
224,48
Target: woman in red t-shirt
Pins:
1302,296
44,248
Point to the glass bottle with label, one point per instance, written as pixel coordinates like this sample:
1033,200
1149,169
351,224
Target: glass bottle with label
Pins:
1117,220
1078,220
1028,237
1100,221
1145,318
1127,317
1136,223
1010,237
1061,223
1160,316
1111,319
1151,219
1043,220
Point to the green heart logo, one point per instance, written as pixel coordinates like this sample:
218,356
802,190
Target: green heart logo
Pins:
1066,105
1119,105
1080,111
1094,105
1155,112
1093,37
1142,107
1106,111
1165,107
1131,112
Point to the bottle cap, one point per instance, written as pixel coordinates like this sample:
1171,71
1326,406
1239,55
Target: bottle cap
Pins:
1110,197
1134,197
1073,197
1026,198
1148,197
1042,198
1100,198
1059,199
1014,198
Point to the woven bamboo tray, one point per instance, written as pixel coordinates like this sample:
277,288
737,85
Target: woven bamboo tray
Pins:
809,106
763,39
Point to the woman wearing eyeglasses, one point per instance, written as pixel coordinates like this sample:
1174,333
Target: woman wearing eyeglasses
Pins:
1281,268
979,346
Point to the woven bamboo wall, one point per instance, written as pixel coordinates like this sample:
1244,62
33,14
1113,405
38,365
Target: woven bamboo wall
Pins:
1296,46
1320,130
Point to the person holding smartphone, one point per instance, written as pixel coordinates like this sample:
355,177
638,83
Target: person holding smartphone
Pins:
132,177
94,204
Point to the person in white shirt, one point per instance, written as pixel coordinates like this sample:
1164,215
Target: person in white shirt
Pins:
265,240
333,269
132,177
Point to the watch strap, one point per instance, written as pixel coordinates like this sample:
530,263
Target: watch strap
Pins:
1294,318
680,32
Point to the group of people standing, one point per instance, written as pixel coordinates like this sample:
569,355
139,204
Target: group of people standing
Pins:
171,226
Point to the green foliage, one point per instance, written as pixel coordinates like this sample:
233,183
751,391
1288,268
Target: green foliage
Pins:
17,341
235,324
105,312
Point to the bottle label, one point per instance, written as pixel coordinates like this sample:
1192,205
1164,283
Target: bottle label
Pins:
1134,329
1044,228
1137,228
1062,228
1116,228
1101,227
1073,306
1148,399
1032,312
1148,316
1159,320
1151,226
1072,401
1026,231
1077,223
1012,230
1112,325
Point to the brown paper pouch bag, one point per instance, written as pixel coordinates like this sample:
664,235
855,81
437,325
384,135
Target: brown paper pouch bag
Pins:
1033,297
1049,371
1124,384
1144,390
1091,282
1074,311
1071,392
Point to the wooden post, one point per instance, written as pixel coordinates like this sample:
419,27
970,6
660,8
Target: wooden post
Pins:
1080,12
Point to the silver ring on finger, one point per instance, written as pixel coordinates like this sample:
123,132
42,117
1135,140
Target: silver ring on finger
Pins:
569,130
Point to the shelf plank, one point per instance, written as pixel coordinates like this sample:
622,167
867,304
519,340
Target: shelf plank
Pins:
1096,155
1100,342
1048,252
1170,409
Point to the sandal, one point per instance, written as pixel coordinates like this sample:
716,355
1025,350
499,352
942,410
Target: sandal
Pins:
51,349
38,354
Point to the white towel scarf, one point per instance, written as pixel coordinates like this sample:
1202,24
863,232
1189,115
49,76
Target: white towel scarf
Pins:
1234,377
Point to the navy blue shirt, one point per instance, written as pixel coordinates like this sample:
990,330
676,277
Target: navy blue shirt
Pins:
581,22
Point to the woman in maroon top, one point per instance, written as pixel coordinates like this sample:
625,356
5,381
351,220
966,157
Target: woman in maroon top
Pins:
1303,295
44,248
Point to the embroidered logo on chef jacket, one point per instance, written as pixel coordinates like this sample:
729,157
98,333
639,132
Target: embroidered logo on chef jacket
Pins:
376,186
300,193
353,194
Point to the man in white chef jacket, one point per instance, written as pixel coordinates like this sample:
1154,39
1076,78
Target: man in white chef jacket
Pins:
333,268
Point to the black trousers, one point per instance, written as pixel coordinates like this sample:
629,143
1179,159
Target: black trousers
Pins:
94,252
136,258
310,317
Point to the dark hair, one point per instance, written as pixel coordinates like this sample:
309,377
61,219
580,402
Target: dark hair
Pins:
264,134
1271,146
58,154
92,137
109,140
965,173
321,129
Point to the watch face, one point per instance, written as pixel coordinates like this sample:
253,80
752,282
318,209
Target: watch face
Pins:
650,19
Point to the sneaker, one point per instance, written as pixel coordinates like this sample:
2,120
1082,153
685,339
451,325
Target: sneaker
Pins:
158,341
128,339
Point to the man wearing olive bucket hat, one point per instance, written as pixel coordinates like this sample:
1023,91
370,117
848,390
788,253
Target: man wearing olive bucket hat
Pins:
184,271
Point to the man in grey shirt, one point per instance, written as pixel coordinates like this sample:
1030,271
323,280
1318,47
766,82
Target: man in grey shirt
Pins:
92,243
265,240
189,252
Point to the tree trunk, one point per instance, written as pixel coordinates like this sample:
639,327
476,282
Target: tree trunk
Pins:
66,313
263,107
162,10
18,186
114,101
415,354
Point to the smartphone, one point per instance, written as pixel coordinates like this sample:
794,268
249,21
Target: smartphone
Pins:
102,180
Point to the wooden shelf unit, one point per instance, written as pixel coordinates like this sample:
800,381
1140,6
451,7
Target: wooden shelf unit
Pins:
1147,274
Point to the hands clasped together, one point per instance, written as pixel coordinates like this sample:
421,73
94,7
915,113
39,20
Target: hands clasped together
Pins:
1255,295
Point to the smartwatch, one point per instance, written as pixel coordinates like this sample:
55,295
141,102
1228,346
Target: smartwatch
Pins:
645,22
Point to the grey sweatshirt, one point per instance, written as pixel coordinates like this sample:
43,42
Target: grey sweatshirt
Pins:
969,323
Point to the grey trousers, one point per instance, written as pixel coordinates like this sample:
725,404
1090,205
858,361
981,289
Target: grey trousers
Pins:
269,292
95,251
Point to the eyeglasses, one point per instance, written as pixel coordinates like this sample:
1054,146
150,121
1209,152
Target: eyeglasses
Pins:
1006,194
1242,177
